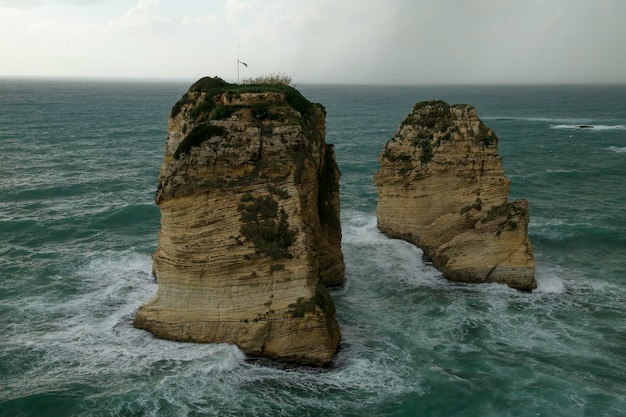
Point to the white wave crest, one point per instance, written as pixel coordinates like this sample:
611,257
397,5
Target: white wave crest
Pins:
540,119
559,171
88,336
617,149
403,261
592,127
367,249
549,279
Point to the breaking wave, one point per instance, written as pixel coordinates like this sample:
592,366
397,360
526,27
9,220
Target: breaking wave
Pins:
591,127
617,149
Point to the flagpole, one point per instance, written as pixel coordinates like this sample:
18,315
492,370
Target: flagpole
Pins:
238,63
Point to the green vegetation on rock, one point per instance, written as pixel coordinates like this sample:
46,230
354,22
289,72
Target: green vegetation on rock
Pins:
214,86
427,151
209,107
274,79
196,137
265,226
486,136
506,212
476,206
307,305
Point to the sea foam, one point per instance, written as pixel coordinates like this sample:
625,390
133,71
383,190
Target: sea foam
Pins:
549,279
368,249
88,337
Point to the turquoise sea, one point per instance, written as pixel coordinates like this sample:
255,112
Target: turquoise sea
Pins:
78,166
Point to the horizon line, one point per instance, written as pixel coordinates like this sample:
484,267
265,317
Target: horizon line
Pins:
295,84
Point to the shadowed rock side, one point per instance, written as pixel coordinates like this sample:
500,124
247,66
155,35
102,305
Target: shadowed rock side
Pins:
441,186
250,234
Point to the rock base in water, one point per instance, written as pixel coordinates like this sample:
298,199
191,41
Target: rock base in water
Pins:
250,234
441,185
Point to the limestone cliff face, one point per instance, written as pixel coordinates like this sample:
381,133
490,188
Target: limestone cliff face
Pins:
250,234
441,185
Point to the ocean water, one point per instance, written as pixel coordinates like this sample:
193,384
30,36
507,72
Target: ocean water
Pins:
78,168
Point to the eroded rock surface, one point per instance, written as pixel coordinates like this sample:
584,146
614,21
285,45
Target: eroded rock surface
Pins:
441,185
250,234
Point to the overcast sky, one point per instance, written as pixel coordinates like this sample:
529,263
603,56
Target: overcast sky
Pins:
322,41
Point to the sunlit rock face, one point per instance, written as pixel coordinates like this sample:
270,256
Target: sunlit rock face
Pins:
441,185
250,235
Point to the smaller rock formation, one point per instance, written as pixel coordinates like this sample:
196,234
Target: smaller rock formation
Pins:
441,185
250,234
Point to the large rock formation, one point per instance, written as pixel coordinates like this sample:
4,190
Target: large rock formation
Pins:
250,234
441,186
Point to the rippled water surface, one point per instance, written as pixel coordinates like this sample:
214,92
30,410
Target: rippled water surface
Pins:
78,164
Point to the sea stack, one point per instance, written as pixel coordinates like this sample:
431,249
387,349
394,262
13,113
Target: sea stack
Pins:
250,235
441,186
